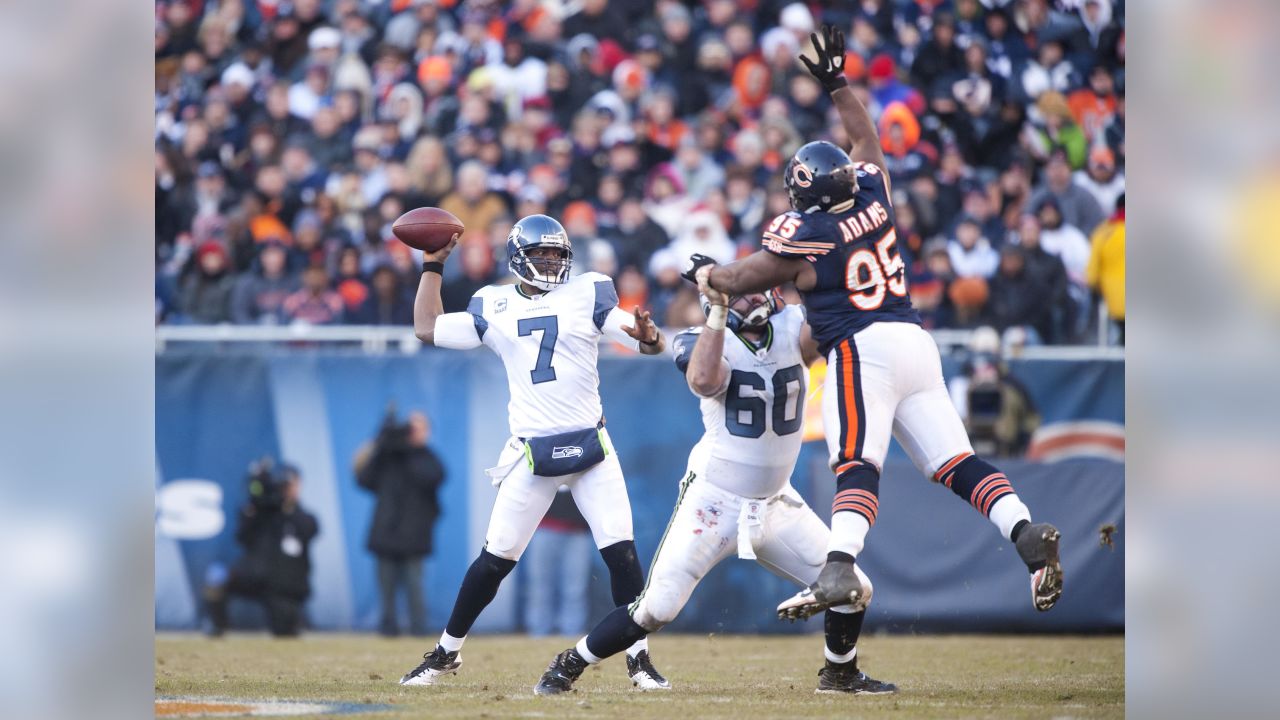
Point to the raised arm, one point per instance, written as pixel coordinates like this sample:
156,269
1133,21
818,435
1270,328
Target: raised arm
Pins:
427,305
707,372
864,139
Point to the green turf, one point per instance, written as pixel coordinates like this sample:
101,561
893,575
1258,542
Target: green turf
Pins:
715,677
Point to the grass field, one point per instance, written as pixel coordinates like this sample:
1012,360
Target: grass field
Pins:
714,677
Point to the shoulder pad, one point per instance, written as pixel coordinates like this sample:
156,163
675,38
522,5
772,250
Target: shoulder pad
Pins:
682,346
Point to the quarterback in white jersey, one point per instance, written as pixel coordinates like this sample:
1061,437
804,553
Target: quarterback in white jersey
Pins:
546,328
736,495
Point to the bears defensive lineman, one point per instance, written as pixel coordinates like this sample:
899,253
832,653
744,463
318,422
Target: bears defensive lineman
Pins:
884,377
736,495
546,328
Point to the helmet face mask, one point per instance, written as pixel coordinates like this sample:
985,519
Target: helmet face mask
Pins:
749,312
539,252
819,176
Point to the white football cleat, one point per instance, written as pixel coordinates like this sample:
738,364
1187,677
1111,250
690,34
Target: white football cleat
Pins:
644,676
436,663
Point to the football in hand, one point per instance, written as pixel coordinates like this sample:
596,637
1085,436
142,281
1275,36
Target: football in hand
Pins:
427,228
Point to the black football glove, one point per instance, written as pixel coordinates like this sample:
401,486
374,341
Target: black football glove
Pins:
829,69
697,260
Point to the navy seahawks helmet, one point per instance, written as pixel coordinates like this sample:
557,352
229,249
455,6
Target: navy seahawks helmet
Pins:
819,176
753,317
539,231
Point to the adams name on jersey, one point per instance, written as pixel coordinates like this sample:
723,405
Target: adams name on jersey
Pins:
753,424
854,252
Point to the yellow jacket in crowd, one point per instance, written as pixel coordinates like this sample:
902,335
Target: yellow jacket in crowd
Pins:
1105,272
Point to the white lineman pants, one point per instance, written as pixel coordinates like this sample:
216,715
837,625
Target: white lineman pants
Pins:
523,499
887,381
709,524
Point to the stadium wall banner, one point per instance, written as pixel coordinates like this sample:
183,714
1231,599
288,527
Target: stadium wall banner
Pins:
937,565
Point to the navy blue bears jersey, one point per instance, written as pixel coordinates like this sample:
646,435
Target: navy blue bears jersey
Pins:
861,276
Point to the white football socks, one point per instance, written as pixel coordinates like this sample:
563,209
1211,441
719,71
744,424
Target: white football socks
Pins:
848,532
826,651
640,645
1007,512
586,654
451,643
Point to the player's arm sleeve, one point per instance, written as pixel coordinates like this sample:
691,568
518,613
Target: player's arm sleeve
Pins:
608,317
462,330
682,348
788,236
611,324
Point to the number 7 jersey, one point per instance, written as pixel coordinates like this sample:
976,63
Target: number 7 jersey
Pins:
861,275
549,345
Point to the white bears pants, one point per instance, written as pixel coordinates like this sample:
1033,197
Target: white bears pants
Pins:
709,524
887,381
523,499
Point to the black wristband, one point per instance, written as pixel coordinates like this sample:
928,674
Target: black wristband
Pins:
833,84
435,267
654,343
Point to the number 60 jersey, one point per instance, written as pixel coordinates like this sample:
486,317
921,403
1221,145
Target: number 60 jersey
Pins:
549,344
861,275
754,423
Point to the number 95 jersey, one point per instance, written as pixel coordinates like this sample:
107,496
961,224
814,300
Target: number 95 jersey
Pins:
861,275
753,423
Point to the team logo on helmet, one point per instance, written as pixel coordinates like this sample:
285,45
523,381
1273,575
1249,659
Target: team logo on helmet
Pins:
802,175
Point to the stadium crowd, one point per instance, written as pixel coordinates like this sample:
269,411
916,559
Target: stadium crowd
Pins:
290,135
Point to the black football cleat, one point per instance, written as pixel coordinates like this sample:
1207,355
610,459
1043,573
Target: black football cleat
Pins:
644,676
837,584
561,674
847,678
1038,547
434,664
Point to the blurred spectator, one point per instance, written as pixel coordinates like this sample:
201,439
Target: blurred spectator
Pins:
477,263
1093,106
206,292
558,571
971,252
1105,273
472,202
1049,71
259,294
1101,178
1047,269
939,57
1055,131
405,475
968,297
1076,204
315,303
1019,298
388,303
702,232
637,236
1062,240
275,569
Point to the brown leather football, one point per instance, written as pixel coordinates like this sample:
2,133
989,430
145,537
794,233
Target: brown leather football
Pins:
427,228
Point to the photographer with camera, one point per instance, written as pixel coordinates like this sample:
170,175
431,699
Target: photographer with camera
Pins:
997,411
405,475
275,570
